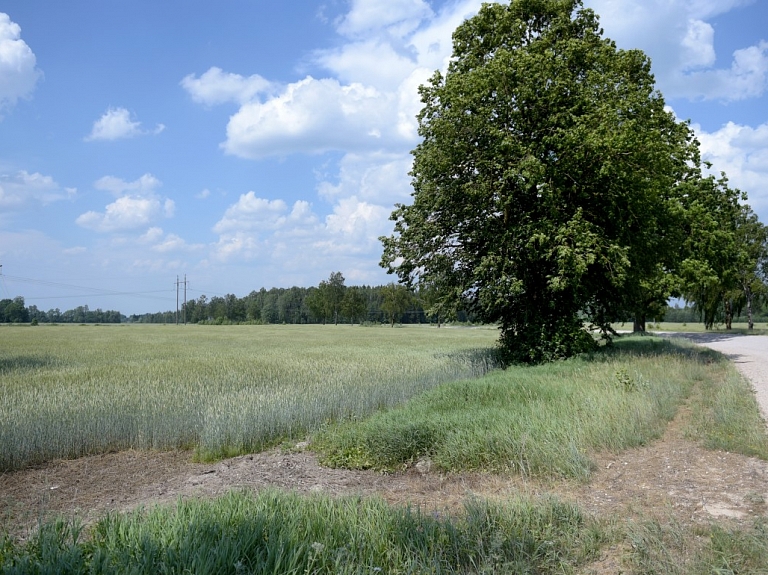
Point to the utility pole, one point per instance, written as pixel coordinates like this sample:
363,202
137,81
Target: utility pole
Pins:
185,299
184,309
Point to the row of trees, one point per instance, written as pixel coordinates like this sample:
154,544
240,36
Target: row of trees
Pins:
14,311
330,302
553,186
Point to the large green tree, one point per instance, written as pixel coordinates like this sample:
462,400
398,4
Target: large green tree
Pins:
395,299
544,184
325,301
751,258
711,249
354,304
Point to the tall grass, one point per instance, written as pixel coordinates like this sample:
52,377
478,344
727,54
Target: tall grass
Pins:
547,420
69,391
273,532
676,549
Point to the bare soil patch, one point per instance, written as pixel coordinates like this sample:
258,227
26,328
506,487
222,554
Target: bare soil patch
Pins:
672,477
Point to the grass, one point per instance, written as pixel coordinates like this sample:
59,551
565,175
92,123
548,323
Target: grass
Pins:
674,549
273,532
543,420
760,328
547,420
70,391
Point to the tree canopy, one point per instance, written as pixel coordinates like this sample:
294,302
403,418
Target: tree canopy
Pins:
545,187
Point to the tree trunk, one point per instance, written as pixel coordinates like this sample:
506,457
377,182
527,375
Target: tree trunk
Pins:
750,322
638,324
728,314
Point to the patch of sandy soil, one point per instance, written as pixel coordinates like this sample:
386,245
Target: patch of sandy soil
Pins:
670,478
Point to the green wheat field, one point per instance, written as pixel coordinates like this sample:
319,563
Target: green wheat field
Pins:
70,391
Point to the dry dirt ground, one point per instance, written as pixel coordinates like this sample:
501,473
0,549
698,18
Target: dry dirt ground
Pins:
670,478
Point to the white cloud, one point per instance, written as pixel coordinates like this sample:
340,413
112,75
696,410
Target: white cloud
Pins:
679,39
116,124
378,177
18,190
369,101
151,236
359,223
137,205
171,243
204,193
159,241
742,153
313,116
125,213
18,74
218,87
146,184
251,213
295,239
399,17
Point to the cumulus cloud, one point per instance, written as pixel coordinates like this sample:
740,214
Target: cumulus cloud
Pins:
312,116
22,188
218,87
357,222
742,153
376,177
18,72
159,241
116,124
146,184
746,78
680,40
370,98
252,213
137,205
398,17
296,238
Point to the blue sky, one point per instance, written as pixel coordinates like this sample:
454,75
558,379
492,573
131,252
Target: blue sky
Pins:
253,144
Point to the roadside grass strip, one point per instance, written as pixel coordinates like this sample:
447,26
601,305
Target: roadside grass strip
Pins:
547,420
274,532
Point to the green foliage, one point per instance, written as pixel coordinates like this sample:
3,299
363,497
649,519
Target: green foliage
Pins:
354,304
395,300
273,532
543,186
709,270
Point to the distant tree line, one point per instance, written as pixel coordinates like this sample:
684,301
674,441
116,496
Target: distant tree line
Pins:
14,311
334,302
329,302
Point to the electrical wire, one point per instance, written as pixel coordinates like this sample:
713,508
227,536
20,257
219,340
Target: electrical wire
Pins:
93,292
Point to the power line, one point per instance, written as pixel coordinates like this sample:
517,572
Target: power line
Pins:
94,292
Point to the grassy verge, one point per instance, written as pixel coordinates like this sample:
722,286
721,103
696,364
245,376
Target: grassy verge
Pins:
760,328
546,420
674,549
274,532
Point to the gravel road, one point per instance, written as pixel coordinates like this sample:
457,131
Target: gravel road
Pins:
748,352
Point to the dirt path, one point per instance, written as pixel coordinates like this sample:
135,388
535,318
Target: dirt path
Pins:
671,476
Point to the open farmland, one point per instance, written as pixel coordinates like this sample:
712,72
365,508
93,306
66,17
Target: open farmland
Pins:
78,390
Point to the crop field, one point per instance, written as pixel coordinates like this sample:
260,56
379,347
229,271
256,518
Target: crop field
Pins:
70,391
